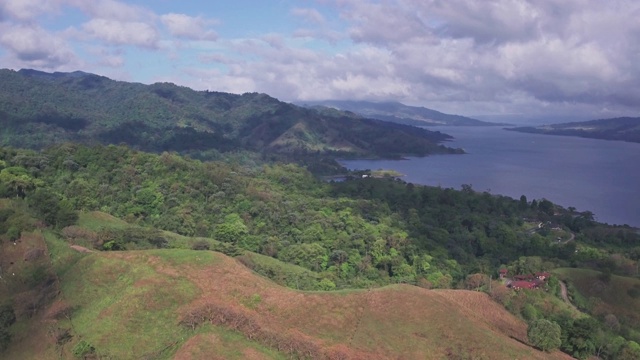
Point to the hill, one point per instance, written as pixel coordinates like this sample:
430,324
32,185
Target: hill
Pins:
116,204
399,113
623,128
38,109
186,304
603,295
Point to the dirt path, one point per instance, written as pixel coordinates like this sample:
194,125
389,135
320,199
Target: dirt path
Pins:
563,292
81,249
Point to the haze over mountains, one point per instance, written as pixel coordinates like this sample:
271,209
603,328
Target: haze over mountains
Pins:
400,113
623,128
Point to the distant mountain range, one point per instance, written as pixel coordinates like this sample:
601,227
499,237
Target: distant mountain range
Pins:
398,113
38,109
623,128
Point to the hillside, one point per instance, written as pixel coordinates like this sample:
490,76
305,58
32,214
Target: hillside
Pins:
39,109
124,208
623,129
606,295
398,113
186,304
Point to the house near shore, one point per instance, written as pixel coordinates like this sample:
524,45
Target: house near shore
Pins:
521,284
503,273
528,281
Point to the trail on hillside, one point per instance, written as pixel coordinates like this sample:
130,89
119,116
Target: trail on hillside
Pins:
563,292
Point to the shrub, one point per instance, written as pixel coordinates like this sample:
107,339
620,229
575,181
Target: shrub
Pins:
200,245
82,349
544,334
529,312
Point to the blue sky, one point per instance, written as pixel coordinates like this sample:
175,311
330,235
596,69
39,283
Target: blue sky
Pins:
514,59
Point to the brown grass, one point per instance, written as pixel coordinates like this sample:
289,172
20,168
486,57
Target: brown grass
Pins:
236,314
393,322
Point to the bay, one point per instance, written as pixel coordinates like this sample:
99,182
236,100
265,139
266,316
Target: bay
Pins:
589,174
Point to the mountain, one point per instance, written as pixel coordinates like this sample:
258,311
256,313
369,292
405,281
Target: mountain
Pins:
38,109
623,128
399,113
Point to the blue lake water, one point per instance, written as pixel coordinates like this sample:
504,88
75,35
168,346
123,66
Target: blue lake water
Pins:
596,175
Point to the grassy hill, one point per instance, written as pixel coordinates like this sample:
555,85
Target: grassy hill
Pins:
186,304
602,295
39,109
624,128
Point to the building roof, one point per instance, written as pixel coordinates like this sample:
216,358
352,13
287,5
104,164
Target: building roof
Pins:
523,284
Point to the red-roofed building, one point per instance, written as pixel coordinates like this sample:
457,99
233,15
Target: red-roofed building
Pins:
524,277
543,275
517,285
503,273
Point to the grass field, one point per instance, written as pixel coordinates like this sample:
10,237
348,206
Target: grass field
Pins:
619,295
135,304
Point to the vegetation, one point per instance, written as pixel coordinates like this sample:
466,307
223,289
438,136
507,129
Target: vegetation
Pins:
40,109
544,334
71,214
624,129
307,234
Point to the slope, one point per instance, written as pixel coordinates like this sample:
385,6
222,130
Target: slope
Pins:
624,129
188,304
612,294
399,113
39,109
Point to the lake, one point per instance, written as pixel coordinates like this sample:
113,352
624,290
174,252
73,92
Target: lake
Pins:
596,175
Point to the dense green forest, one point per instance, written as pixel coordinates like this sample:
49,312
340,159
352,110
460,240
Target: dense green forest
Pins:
361,232
39,109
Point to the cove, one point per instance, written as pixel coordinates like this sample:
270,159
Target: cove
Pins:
589,174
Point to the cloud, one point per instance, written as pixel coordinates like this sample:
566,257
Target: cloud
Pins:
469,52
35,47
308,15
112,10
24,10
123,33
189,27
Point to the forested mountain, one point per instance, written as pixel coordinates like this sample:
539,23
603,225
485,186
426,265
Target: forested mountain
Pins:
398,113
282,223
623,128
39,109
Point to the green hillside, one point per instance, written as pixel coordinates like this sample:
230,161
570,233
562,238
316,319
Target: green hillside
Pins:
186,304
39,109
115,236
605,295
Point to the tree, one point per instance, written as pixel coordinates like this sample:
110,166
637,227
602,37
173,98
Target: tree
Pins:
475,281
523,204
233,230
544,334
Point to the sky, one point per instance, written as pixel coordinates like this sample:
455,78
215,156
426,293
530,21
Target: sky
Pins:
497,59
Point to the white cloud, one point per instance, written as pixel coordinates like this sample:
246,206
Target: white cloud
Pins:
309,15
470,52
112,10
189,27
35,47
24,10
123,33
